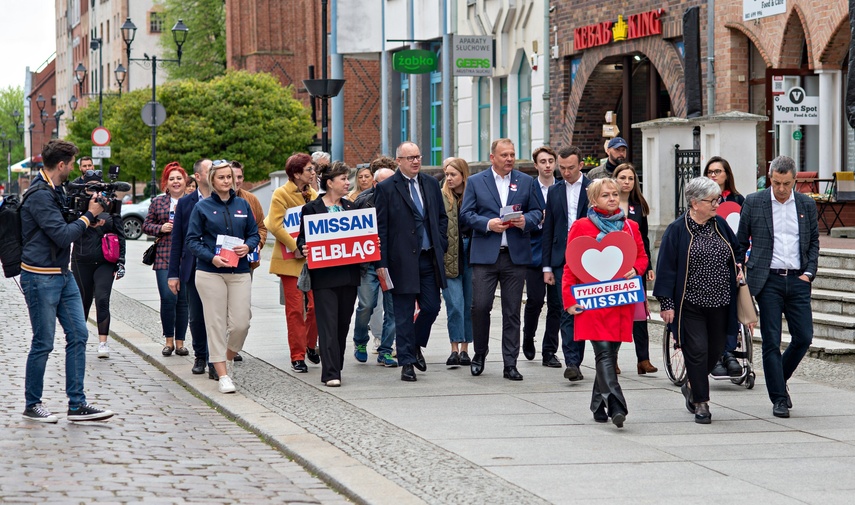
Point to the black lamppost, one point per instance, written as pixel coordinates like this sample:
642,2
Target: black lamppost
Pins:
80,73
32,155
7,143
72,104
179,35
40,102
324,88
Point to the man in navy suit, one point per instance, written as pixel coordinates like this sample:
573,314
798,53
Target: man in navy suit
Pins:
182,267
780,226
566,202
412,226
500,250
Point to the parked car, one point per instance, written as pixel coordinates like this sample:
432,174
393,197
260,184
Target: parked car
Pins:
133,216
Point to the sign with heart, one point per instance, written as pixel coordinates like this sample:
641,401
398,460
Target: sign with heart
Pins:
730,212
593,261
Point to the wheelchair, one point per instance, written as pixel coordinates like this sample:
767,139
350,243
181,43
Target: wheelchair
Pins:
675,366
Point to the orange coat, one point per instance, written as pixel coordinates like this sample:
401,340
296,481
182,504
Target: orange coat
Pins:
611,324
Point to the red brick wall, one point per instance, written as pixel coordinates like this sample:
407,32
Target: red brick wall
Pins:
44,84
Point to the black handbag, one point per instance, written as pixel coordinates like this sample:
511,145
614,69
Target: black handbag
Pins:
150,254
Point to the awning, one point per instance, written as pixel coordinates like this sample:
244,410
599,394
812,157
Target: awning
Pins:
24,166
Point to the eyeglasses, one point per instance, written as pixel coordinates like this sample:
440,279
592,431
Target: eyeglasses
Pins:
712,201
220,163
411,158
717,171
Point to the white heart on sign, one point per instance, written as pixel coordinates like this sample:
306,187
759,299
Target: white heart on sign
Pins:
602,265
733,221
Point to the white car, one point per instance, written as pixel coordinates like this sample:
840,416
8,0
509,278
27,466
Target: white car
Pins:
133,216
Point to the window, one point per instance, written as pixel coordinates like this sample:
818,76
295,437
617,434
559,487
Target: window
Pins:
524,109
483,118
405,107
155,22
436,111
503,107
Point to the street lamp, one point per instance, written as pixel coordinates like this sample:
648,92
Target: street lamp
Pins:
324,88
72,104
80,74
56,115
179,35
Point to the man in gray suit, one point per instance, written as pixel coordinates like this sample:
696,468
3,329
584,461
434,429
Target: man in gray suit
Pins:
781,225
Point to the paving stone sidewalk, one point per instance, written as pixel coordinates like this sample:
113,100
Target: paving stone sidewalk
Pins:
165,445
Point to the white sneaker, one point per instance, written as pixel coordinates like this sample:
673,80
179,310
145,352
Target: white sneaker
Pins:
103,350
333,383
376,345
230,368
226,384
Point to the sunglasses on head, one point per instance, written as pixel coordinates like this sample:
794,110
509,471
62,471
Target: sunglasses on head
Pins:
220,163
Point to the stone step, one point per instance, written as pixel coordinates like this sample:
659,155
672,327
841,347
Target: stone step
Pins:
837,258
835,279
823,301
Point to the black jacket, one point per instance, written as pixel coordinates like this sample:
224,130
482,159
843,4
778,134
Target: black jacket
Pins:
331,277
87,249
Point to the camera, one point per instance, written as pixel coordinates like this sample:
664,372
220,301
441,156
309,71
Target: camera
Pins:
80,191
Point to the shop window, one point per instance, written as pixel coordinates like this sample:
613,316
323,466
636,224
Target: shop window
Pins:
524,109
503,107
483,118
405,107
436,110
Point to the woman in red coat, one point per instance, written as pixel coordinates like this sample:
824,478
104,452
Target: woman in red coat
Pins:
606,328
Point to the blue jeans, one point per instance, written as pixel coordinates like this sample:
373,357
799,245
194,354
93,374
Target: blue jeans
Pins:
789,296
458,305
173,308
574,352
52,297
367,295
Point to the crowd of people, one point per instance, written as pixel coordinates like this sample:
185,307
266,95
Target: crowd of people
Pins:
456,237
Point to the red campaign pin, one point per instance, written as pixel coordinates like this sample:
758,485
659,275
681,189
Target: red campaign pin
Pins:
593,261
730,211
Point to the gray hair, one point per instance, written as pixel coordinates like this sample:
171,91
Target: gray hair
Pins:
701,188
783,165
404,143
383,173
320,155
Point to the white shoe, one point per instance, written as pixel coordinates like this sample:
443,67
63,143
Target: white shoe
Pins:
334,383
230,368
376,345
226,384
103,350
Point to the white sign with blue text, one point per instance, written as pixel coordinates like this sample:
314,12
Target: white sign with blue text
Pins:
614,293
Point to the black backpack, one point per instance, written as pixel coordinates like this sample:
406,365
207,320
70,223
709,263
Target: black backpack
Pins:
11,241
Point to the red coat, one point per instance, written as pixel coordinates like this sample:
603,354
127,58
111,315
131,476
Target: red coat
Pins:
612,324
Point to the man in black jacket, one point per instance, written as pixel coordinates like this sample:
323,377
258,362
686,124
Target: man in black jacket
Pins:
49,288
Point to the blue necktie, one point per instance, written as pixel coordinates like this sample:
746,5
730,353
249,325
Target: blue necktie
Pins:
418,203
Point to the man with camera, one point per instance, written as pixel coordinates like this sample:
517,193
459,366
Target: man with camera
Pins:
49,288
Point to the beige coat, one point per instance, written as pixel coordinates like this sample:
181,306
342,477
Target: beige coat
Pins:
284,198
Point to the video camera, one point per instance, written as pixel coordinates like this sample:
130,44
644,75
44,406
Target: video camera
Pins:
80,192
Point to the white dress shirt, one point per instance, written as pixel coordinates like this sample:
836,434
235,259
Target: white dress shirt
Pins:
503,184
573,192
785,232
418,188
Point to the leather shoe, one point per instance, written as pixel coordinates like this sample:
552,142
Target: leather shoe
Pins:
572,373
789,400
312,355
477,365
408,374
734,369
551,361
600,414
199,366
702,413
780,409
719,370
465,360
512,373
453,359
182,351
212,373
299,366
238,357
420,360
645,367
687,393
528,348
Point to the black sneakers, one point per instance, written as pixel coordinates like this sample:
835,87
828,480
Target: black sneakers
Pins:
88,413
39,414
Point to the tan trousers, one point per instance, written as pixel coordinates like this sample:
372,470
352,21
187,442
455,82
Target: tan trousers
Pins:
226,304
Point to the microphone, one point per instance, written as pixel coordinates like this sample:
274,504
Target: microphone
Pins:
121,186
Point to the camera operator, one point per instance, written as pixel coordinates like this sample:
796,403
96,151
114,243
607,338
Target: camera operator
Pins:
94,272
48,287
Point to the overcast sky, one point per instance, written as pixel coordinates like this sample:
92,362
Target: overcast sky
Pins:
27,38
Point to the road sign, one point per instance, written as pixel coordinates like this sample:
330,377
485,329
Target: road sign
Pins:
797,135
101,151
101,136
159,113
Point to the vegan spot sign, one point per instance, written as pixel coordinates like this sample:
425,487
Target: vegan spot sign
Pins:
342,238
601,267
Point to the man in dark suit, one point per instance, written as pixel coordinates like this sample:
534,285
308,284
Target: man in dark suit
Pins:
182,267
500,250
784,239
566,202
412,227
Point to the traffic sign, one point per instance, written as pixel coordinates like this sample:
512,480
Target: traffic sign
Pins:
101,136
159,114
101,151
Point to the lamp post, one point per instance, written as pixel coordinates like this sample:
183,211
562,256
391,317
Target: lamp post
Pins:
40,102
80,74
179,35
324,88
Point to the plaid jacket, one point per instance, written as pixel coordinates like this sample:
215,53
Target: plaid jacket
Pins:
158,214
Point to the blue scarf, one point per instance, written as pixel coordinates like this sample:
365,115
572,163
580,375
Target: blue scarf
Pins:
606,224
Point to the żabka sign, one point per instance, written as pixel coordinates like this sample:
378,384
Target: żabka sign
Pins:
636,26
342,238
414,61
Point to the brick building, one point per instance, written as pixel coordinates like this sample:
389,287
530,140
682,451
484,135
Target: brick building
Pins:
283,38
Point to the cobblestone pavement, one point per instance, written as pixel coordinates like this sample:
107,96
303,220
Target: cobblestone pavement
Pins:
163,446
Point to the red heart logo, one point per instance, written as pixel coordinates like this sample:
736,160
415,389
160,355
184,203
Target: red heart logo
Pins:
730,211
593,261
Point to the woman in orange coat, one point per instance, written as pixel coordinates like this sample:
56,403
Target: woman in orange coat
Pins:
607,327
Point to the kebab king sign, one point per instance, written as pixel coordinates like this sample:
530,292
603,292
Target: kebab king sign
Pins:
634,26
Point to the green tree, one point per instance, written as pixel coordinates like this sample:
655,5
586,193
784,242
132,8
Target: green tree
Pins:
238,116
11,99
204,52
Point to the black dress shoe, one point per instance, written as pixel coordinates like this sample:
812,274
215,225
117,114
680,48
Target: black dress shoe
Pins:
312,355
465,360
408,374
702,413
453,359
477,365
420,360
512,373
552,362
780,409
789,400
734,369
528,348
687,393
572,373
238,357
719,370
212,373
199,366
182,351
299,366
600,414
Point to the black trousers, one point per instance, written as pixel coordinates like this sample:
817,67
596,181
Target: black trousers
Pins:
704,333
333,311
409,334
485,278
197,318
95,280
535,290
607,391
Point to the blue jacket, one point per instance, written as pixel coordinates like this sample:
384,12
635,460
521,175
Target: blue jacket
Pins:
182,263
212,217
47,238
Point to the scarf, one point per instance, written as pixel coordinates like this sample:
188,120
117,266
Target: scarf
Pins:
606,224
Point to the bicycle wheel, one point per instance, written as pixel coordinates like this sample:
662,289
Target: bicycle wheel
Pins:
672,356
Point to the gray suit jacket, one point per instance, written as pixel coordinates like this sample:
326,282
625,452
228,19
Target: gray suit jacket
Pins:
755,222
